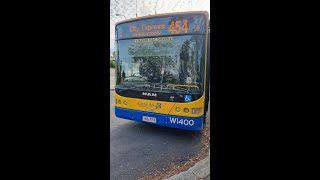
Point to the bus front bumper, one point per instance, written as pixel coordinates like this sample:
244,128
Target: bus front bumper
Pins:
179,122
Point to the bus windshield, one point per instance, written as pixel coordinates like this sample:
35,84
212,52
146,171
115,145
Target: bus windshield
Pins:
175,61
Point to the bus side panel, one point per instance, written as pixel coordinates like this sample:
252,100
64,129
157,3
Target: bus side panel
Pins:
180,122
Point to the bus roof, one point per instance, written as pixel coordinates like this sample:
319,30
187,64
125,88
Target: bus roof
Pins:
165,14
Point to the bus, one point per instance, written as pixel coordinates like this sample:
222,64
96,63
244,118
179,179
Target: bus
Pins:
162,69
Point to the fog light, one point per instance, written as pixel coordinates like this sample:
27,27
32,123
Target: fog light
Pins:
186,110
196,110
125,102
178,109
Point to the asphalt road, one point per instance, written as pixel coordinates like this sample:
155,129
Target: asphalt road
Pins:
137,149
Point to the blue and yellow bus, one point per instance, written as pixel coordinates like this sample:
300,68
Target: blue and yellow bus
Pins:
162,69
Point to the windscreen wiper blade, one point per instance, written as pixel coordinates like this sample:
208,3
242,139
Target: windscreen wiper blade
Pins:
165,87
180,89
127,89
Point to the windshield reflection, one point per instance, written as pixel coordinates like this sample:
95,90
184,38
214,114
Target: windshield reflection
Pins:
175,64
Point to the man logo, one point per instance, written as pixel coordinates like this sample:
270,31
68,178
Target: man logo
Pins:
149,94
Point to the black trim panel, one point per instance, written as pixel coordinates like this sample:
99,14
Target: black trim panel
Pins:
161,96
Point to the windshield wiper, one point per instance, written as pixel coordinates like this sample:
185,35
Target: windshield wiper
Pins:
165,87
127,89
157,85
181,89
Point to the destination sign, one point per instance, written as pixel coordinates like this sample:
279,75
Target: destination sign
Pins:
161,26
153,39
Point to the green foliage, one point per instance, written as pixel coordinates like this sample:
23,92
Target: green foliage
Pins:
112,64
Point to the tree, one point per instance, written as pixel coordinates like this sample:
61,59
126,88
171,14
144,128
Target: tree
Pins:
184,61
152,58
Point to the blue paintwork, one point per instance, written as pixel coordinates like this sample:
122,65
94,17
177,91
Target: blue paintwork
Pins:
162,119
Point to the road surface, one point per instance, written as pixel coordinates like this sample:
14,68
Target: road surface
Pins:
138,149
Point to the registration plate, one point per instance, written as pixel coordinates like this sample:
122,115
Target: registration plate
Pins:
149,119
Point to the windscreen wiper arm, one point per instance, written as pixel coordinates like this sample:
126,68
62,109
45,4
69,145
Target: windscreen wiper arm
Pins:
127,89
167,88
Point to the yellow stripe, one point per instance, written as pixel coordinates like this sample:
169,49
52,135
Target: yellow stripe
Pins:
166,107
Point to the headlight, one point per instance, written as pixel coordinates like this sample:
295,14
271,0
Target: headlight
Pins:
119,101
196,110
178,109
186,110
125,102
